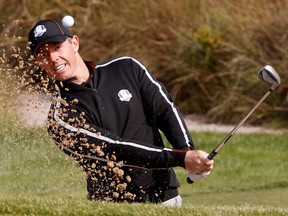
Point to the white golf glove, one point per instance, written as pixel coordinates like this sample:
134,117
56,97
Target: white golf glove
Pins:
197,177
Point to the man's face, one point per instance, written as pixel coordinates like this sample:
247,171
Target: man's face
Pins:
59,59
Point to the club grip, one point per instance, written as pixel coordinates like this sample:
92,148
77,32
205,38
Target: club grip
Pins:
212,155
189,181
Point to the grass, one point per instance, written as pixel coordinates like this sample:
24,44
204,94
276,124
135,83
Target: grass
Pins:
249,178
69,207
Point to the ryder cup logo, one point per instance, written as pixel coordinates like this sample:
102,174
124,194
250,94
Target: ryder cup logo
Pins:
124,95
39,31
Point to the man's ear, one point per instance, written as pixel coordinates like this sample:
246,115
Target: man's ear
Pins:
36,61
75,43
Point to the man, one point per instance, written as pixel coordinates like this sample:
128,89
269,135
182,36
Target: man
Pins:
108,117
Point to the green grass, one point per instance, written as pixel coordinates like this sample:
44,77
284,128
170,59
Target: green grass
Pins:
72,207
249,178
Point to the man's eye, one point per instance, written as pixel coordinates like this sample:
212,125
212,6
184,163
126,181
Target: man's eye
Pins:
58,47
42,54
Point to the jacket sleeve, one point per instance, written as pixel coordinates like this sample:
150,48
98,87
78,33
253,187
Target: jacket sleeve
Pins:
161,109
68,129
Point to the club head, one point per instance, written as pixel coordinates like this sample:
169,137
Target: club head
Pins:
268,74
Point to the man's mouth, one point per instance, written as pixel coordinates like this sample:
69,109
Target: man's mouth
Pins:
59,68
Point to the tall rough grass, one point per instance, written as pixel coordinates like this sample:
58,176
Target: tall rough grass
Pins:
207,53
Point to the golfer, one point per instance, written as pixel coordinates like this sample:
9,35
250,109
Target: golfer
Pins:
114,111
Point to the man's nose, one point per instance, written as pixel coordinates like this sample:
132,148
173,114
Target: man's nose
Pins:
53,56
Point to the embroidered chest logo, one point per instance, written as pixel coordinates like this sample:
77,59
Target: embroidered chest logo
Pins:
124,95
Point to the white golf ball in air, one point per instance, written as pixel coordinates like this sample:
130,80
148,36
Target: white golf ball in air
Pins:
68,21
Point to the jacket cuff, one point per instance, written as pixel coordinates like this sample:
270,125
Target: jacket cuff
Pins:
178,157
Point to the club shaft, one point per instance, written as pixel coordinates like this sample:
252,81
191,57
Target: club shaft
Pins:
222,143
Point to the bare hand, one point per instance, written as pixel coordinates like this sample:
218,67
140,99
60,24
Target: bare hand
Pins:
196,161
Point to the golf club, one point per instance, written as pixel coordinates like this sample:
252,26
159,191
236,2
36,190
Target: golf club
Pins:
268,74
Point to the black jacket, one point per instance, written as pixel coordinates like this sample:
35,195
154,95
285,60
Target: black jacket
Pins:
122,109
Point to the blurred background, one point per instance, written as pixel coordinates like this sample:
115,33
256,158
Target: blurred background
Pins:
207,53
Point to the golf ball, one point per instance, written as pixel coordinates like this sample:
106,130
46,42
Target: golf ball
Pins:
68,21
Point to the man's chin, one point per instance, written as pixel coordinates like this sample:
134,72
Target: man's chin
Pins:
61,77
58,77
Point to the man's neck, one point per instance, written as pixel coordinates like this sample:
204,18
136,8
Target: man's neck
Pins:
82,75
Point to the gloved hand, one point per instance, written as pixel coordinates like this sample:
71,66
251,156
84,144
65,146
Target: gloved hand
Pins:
197,161
197,177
